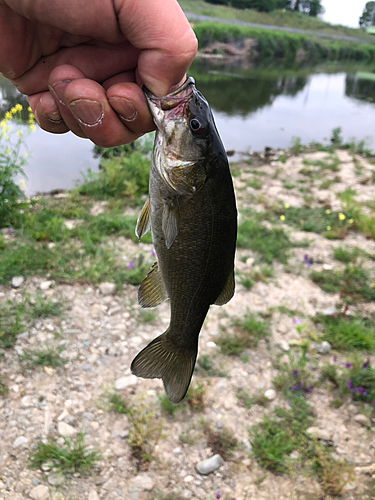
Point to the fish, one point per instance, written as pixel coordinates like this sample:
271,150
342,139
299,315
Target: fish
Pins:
191,212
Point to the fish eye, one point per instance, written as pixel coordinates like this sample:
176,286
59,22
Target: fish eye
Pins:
195,124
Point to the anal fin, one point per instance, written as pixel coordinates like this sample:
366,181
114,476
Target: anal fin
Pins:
171,220
143,222
227,292
151,291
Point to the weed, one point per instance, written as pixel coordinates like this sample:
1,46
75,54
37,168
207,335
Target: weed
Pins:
73,457
144,434
314,220
289,312
336,137
333,474
297,147
347,255
270,244
167,406
353,284
249,400
294,375
148,316
165,496
254,183
188,437
275,437
221,441
348,333
195,396
114,402
282,159
249,330
256,274
43,357
206,367
3,388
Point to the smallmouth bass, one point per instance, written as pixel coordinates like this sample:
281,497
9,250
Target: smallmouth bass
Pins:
191,211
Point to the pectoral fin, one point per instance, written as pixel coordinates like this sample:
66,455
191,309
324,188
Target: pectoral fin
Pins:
143,222
171,220
227,292
151,291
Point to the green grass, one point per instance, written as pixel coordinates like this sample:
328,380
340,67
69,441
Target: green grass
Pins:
270,244
293,375
315,220
206,367
248,331
48,356
73,457
3,388
256,274
220,441
276,436
112,401
353,283
16,318
167,406
348,333
347,255
248,400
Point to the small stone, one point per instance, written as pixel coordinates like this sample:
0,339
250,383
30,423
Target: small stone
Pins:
284,346
327,267
270,394
39,492
45,285
362,420
56,479
188,479
143,482
93,495
23,335
65,430
123,382
17,281
27,401
107,288
294,455
322,434
330,311
71,224
321,347
21,441
35,481
209,465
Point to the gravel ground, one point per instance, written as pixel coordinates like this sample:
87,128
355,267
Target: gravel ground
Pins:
100,334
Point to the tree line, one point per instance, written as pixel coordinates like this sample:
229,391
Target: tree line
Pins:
310,7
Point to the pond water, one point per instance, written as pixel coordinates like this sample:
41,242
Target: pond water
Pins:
253,108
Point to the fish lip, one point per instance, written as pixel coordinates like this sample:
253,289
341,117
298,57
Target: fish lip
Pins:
184,86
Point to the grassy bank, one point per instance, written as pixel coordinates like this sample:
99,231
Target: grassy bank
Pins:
278,18
284,46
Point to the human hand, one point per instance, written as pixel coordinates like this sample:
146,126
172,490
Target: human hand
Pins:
82,64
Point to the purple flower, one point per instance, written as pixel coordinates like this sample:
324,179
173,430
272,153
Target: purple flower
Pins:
297,321
310,388
295,372
217,494
265,233
307,260
130,265
348,365
365,365
9,231
307,356
350,386
152,252
360,390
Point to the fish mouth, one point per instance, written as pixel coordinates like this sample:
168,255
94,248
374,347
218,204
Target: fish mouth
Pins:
172,105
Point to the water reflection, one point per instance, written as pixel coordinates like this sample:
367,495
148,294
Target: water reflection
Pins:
360,88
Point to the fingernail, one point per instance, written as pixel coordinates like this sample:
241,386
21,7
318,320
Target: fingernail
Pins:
89,113
54,117
124,108
58,90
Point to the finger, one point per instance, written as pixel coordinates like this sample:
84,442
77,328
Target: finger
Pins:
88,104
59,80
129,102
165,37
47,114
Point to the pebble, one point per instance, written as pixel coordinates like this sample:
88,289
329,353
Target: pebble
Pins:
65,430
17,281
21,441
39,492
321,347
294,455
209,465
143,482
322,434
35,481
270,394
362,420
284,346
56,479
45,285
127,381
93,495
107,288
330,311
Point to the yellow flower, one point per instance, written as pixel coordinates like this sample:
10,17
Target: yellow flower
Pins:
24,155
351,221
286,205
22,183
7,151
301,221
372,285
329,228
32,128
328,211
19,133
29,109
282,217
342,216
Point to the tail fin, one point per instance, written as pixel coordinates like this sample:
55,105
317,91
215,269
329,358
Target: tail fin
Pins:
174,367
